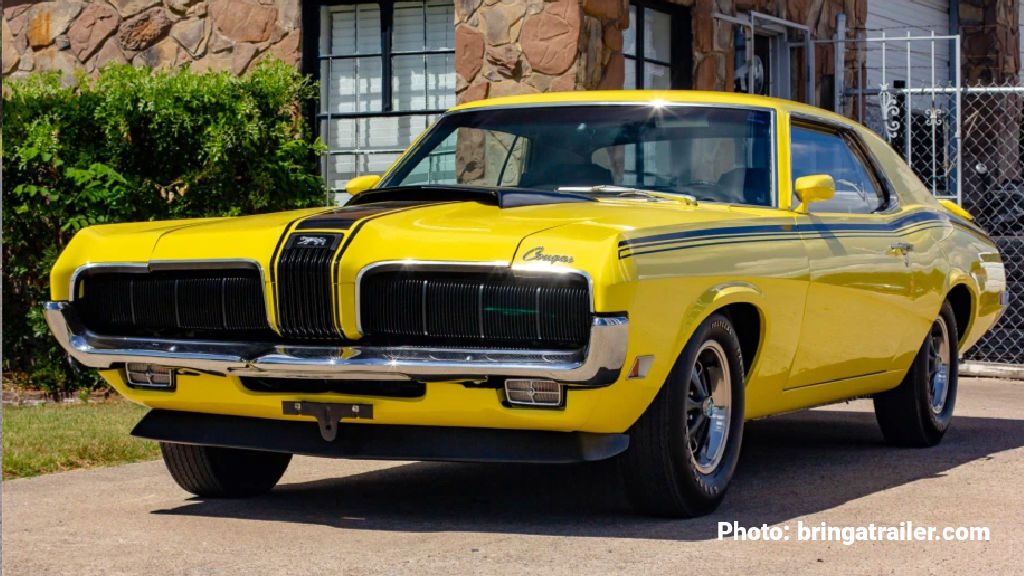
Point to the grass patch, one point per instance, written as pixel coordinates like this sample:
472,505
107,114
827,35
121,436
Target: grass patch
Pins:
55,437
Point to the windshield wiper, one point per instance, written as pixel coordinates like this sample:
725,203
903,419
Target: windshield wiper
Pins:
654,195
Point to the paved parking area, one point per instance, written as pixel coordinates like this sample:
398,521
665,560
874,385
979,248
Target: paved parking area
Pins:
337,517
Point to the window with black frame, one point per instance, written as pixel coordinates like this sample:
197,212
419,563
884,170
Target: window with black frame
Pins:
386,72
658,47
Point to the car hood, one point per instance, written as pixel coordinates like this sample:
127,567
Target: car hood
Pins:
580,235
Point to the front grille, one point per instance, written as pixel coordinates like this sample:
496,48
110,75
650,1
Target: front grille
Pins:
305,287
498,308
174,303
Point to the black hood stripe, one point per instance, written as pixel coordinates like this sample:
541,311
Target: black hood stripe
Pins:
280,243
344,217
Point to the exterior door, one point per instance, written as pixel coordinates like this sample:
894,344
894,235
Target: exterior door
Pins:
858,300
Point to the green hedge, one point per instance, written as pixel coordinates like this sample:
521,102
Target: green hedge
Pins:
134,145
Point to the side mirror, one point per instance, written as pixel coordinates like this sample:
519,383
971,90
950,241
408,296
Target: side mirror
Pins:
813,188
361,183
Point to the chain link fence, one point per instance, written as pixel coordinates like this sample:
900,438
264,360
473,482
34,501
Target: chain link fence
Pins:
992,188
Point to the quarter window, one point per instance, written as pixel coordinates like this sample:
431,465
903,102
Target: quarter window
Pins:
816,151
386,72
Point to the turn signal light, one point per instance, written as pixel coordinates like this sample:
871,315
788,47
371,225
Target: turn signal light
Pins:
524,392
150,376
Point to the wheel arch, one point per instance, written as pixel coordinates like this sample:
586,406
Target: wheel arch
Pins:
742,303
748,321
963,301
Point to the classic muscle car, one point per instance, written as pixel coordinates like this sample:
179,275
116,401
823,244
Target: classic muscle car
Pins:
548,278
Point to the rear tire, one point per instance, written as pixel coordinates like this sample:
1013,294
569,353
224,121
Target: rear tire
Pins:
683,450
215,472
918,412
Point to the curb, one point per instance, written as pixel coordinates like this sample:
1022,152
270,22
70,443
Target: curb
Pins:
991,370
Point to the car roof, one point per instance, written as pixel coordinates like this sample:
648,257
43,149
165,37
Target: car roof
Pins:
597,97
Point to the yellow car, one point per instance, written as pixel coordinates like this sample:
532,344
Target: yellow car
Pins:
549,278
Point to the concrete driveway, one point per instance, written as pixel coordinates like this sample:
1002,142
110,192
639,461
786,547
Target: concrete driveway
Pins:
337,517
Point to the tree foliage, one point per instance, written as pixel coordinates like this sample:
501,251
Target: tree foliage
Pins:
134,145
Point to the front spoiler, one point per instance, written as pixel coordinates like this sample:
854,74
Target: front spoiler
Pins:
598,364
380,441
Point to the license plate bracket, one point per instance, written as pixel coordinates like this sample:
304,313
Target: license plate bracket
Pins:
328,414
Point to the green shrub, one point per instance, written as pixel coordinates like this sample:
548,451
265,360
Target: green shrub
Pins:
136,145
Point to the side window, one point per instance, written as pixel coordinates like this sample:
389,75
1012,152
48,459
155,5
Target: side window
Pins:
816,151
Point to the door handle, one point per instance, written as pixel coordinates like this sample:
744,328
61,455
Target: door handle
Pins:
901,248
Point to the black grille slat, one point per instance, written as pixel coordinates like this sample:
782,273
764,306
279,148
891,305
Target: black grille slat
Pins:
305,287
112,299
475,309
559,317
510,312
174,303
404,320
195,308
238,315
154,302
452,309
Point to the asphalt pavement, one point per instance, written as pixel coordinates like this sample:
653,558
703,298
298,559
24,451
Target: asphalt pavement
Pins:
348,517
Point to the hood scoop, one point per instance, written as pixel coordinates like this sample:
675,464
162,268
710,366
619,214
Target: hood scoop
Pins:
500,197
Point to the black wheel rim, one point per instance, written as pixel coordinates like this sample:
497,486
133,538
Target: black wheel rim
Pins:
708,407
938,366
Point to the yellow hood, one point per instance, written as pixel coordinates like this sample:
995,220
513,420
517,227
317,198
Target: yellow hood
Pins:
580,235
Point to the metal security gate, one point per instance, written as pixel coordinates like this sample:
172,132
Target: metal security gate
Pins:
964,143
907,89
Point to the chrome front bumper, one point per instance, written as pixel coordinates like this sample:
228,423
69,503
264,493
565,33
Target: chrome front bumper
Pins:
598,364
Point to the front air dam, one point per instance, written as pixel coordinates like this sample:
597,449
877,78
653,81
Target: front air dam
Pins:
380,441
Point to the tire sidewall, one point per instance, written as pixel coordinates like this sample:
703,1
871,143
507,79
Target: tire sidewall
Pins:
710,486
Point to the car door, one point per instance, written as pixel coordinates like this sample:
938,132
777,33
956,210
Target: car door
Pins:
858,298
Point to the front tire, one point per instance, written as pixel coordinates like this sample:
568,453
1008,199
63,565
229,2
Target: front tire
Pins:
684,449
918,412
215,472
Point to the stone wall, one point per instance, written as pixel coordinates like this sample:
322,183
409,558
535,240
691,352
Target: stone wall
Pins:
505,47
71,35
521,46
712,43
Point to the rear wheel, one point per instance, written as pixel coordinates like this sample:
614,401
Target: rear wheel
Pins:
214,472
683,450
919,410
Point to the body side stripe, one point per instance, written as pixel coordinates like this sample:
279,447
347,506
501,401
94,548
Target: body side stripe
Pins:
818,232
794,235
745,239
766,229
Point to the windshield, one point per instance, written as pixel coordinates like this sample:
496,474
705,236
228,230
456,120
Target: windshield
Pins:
712,154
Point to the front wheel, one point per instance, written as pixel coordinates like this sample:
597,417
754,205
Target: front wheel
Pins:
917,413
683,450
215,472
